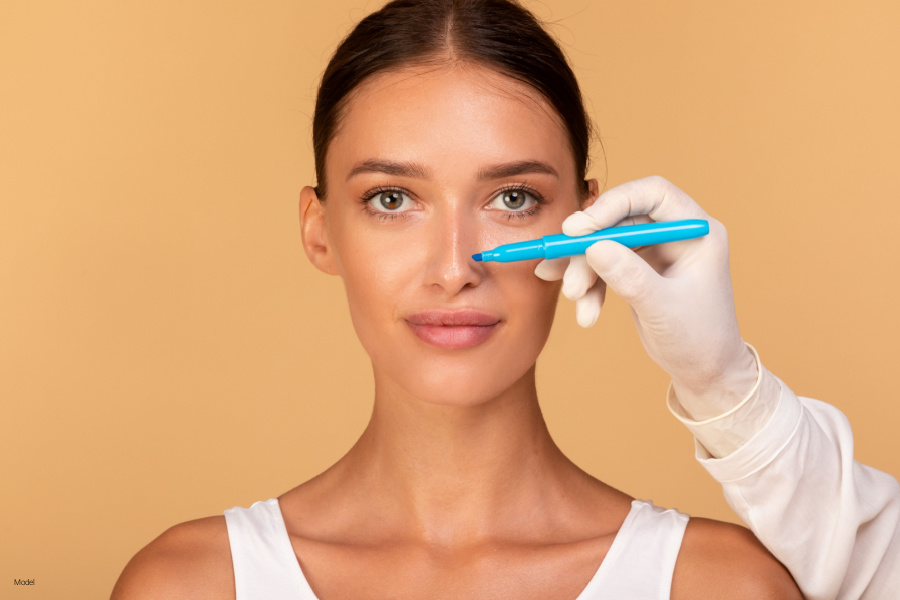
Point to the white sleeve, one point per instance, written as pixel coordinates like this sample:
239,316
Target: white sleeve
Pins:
833,522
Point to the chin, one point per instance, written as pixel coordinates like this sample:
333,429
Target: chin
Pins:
447,385
464,397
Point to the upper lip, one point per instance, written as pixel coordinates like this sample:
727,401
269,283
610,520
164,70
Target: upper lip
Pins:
452,318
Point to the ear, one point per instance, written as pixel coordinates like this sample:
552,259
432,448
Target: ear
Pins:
314,233
593,193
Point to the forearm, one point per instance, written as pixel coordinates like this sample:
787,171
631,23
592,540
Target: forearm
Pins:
833,522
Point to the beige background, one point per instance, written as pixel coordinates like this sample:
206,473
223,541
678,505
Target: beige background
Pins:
167,352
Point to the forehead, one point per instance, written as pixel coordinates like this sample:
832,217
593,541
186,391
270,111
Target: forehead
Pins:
450,117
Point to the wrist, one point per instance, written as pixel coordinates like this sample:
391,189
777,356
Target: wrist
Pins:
716,395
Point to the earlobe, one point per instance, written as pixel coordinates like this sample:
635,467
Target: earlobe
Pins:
314,233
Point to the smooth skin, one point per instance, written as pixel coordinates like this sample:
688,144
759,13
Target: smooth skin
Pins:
455,489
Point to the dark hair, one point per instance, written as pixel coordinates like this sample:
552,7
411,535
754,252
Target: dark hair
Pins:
499,34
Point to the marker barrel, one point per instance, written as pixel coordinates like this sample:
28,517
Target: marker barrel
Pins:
560,245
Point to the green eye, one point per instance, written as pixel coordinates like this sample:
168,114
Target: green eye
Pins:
515,199
517,202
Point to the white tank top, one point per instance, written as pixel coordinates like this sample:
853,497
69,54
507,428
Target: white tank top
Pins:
638,566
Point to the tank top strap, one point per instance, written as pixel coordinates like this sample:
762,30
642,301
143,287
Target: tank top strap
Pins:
265,567
641,559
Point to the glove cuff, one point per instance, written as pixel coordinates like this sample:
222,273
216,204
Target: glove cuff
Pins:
724,433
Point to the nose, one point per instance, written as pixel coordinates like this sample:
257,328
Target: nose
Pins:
453,239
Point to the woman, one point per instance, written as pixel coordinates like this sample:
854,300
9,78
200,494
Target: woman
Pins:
443,129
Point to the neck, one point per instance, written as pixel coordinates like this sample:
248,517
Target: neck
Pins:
457,474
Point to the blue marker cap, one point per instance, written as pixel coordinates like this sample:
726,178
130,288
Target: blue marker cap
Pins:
560,245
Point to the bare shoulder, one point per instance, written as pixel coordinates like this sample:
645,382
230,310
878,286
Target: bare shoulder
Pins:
723,560
189,560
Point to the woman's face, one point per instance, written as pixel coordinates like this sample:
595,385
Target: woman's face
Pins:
428,168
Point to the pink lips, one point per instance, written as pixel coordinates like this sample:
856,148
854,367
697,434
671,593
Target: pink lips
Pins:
453,329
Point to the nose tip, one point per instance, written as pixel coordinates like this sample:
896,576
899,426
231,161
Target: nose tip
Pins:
454,264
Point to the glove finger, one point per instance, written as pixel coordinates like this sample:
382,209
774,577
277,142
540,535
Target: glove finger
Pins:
551,270
578,278
625,272
652,196
587,308
581,223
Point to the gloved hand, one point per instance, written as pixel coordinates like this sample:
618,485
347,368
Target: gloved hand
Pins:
679,292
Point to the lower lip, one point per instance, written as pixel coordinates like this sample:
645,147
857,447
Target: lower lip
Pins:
464,336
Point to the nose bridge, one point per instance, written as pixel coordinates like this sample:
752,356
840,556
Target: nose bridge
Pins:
453,240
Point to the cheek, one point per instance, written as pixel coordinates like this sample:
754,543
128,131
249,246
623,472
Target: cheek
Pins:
373,282
376,273
531,300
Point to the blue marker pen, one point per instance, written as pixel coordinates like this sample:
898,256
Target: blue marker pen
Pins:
559,245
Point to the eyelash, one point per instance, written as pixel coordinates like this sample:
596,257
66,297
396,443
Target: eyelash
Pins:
511,214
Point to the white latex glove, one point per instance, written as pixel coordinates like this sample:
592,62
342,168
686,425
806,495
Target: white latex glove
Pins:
679,292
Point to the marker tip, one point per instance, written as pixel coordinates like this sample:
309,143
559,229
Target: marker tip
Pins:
477,257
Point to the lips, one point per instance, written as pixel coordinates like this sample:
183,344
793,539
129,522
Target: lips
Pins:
456,318
453,329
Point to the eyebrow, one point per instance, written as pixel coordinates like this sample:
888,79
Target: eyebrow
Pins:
515,168
417,171
403,169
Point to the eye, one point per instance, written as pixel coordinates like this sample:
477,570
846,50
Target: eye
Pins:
389,201
516,199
